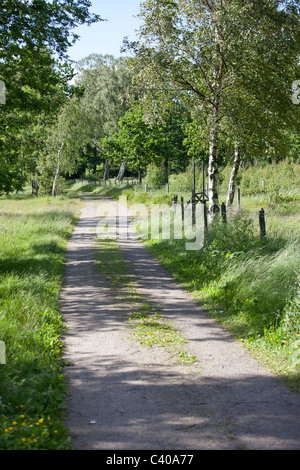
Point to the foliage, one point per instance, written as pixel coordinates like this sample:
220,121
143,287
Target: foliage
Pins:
26,114
228,60
142,140
62,147
34,37
279,182
106,83
31,24
156,176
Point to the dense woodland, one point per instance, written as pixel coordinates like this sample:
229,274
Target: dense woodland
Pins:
212,81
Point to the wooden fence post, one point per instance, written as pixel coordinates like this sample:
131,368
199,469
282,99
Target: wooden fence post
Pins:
238,198
223,212
193,207
205,215
182,208
262,223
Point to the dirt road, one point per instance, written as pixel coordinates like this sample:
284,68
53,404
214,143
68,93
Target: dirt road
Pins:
124,396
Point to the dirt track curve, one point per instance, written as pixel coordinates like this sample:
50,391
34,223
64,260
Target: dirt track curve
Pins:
127,397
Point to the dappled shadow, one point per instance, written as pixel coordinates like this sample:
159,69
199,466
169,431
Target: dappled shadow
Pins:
138,406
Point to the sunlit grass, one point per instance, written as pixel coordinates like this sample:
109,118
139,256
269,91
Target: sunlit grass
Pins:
33,238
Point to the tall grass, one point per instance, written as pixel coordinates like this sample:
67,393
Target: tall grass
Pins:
33,237
250,285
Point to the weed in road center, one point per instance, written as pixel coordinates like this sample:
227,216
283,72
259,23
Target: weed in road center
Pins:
146,323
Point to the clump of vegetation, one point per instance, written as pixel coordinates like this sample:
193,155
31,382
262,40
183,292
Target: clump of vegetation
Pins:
156,176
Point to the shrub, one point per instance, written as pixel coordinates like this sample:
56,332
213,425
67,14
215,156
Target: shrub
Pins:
156,176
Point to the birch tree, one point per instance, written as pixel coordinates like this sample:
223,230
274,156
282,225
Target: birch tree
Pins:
34,36
206,49
65,140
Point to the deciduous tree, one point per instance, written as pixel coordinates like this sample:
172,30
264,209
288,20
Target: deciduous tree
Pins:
208,48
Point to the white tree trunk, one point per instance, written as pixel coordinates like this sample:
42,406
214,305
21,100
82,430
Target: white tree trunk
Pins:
233,176
106,171
213,198
56,171
122,172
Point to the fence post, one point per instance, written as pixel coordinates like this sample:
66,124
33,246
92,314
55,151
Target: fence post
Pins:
223,212
205,215
262,223
146,187
238,198
175,198
182,208
193,207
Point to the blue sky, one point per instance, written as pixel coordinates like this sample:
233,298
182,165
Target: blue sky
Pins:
107,37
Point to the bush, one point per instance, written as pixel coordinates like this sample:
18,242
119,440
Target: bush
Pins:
156,176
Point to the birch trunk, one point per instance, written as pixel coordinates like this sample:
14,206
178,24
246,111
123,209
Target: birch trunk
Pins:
106,171
56,171
233,176
121,172
213,198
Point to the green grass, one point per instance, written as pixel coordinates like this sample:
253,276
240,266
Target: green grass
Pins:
250,285
33,238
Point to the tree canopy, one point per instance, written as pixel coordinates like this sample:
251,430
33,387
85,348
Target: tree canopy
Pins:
208,80
217,54
34,39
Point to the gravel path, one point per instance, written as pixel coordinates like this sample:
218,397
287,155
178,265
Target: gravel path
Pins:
127,397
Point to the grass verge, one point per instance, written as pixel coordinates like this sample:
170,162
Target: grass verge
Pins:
250,285
33,238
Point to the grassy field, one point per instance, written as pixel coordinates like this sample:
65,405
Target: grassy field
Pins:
248,284
33,238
